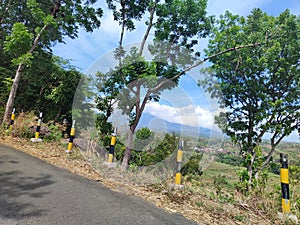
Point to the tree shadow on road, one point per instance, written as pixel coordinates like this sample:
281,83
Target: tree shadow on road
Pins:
17,192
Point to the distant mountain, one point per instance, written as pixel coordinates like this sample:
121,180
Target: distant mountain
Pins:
156,124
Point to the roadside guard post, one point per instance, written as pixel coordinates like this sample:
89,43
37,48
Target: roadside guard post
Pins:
12,120
72,136
38,129
112,146
179,163
284,178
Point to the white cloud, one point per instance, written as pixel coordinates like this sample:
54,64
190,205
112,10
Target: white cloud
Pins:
188,115
109,26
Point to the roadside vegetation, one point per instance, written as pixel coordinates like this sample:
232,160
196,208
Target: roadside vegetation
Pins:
211,193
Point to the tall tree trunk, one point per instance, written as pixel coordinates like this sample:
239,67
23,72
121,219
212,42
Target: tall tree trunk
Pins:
12,94
119,55
127,153
251,169
138,110
150,24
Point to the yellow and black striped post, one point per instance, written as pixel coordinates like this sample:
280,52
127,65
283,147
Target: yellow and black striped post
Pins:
38,128
179,163
72,136
12,120
112,146
284,178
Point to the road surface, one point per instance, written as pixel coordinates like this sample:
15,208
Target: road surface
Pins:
34,192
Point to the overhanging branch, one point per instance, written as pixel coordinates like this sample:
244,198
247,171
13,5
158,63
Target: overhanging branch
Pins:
202,61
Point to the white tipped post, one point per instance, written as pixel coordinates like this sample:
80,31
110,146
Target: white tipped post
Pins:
12,120
38,129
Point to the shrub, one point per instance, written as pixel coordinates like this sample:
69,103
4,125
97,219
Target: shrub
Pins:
54,133
24,125
230,159
192,167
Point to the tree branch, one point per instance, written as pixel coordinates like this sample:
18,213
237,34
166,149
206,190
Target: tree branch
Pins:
38,37
202,61
152,11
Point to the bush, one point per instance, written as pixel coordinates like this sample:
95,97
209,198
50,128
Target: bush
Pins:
24,124
55,133
119,151
192,167
220,183
158,154
230,159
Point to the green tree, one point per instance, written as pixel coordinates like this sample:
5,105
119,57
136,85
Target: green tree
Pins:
140,81
144,136
259,86
45,22
155,155
178,26
59,91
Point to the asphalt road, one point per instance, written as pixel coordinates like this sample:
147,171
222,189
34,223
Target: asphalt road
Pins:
34,192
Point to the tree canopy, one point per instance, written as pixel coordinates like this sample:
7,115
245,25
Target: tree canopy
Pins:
260,87
32,26
255,65
134,81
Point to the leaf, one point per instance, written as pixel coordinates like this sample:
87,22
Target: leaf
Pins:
24,59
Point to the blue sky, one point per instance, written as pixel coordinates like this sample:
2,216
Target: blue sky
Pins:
90,50
86,49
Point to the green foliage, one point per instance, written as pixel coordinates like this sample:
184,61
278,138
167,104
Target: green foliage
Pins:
5,87
55,133
294,174
18,44
2,110
192,167
179,26
49,86
119,151
274,168
102,124
30,29
137,74
144,136
150,156
258,173
128,12
243,184
221,184
258,85
4,131
230,159
23,126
